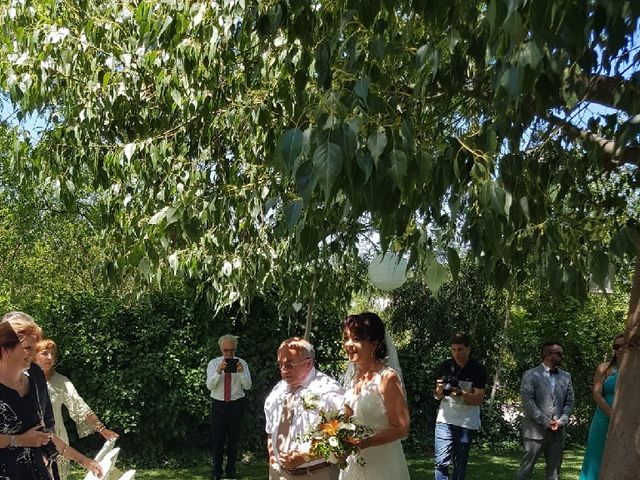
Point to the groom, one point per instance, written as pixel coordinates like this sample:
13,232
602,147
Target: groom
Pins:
293,407
547,398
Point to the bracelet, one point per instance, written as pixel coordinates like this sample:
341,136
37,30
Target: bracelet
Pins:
102,427
13,442
64,450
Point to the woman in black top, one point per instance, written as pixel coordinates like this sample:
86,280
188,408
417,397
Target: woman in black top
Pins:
21,443
27,444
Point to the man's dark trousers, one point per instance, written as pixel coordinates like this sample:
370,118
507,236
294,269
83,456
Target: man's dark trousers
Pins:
226,419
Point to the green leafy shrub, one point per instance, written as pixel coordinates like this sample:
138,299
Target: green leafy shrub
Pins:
141,364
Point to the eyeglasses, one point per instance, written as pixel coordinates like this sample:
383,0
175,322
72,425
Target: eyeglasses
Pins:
617,346
289,365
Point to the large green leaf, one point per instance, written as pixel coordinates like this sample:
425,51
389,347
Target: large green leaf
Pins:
398,167
291,145
599,266
361,89
327,165
500,200
365,163
305,180
453,260
435,276
377,142
292,213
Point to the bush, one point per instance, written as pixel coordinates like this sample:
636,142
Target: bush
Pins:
141,365
424,325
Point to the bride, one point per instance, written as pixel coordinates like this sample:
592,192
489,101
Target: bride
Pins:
375,393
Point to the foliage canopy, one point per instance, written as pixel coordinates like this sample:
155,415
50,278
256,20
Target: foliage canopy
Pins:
232,140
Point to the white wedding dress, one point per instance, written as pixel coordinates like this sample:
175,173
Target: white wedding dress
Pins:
385,462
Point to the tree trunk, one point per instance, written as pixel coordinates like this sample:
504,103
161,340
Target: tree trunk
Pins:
307,327
502,348
621,459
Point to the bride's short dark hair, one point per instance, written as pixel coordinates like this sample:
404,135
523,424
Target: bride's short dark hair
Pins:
368,326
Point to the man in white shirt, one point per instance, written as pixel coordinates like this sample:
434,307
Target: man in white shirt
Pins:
227,379
293,407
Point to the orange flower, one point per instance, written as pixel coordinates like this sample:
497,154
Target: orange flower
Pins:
330,428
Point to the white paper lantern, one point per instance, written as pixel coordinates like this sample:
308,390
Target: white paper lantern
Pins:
388,271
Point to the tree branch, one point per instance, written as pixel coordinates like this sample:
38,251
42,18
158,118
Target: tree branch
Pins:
602,89
615,155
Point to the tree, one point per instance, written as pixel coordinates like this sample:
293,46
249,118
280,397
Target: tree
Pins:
44,252
232,140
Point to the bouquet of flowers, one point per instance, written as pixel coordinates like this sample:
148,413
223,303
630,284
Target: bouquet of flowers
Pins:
334,437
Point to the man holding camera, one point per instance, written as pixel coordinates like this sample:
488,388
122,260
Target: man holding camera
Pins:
460,388
227,379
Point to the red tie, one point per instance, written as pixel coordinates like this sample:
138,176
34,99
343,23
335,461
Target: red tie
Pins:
227,387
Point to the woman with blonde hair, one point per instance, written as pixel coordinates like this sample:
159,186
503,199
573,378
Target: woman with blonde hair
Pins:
62,392
27,446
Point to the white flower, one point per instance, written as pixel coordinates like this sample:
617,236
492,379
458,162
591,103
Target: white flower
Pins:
310,401
333,441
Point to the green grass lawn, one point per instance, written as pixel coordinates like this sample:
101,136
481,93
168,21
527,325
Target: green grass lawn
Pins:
483,465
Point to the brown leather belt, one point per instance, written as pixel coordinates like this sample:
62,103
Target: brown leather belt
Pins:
307,470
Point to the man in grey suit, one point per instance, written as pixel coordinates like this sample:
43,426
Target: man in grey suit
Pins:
547,398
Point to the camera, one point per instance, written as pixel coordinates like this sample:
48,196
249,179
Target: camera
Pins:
450,382
49,449
232,365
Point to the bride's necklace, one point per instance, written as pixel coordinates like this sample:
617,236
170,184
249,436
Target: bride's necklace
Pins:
362,376
12,382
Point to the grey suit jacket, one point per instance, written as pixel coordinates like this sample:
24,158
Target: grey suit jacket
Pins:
541,405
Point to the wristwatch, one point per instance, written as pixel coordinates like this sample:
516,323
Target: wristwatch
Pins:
13,441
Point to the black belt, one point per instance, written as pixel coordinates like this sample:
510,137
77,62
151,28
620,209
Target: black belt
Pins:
307,470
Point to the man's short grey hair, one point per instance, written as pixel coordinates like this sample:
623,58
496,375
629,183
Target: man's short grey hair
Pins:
17,316
301,345
228,338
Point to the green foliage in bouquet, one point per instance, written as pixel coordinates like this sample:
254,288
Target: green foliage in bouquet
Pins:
334,437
